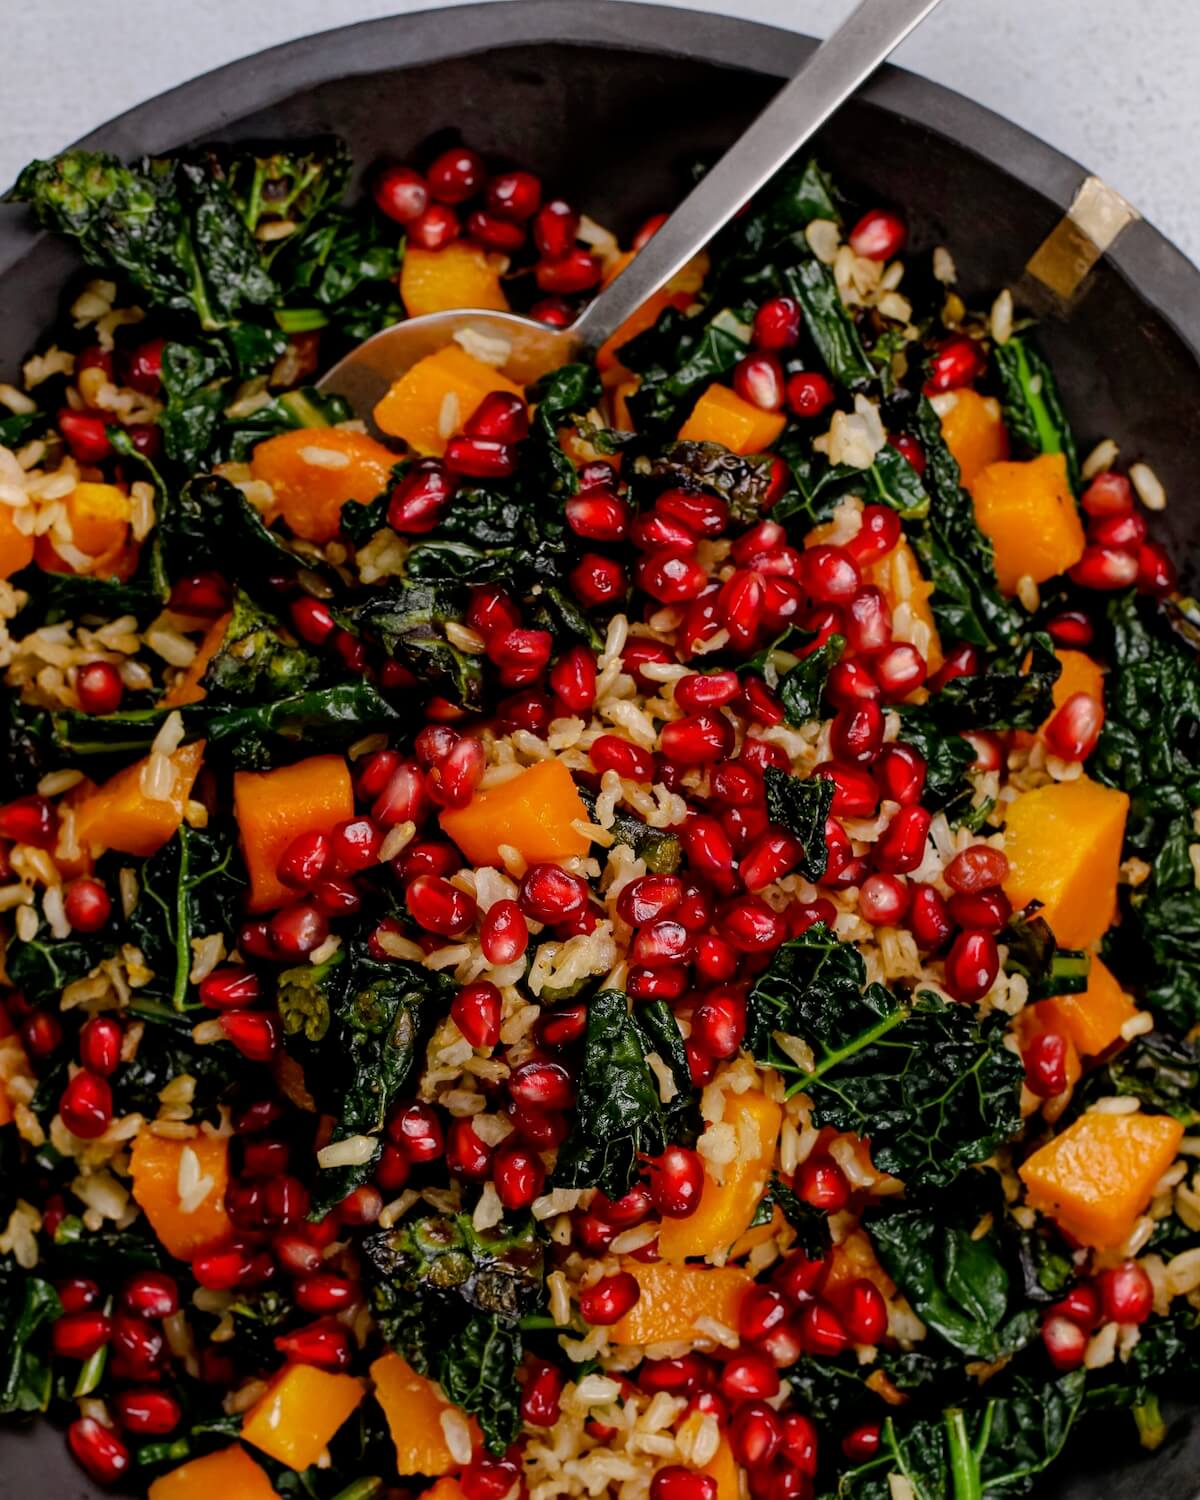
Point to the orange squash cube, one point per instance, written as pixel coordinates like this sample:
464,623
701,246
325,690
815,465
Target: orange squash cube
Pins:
459,275
314,471
721,416
118,815
974,431
1028,512
722,1467
301,1410
413,1407
229,1474
726,1208
158,1167
674,1296
16,549
1097,1176
679,292
1063,843
274,807
433,400
535,812
99,517
1093,1018
186,687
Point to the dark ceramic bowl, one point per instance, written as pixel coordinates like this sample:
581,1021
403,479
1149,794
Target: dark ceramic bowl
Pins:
609,103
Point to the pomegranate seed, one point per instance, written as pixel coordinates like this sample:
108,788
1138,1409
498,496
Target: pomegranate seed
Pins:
518,1175
626,1212
671,577
702,515
86,905
264,1157
822,1184
861,1443
85,434
312,620
401,194
868,630
572,679
254,1033
654,532
514,195
229,987
354,846
989,910
752,926
305,860
1072,629
863,1311
576,271
148,1412
856,734
404,799
101,1453
900,772
901,846
325,1344
456,175
502,416
86,1105
1073,732
957,363
676,1182
496,234
831,575
782,601
972,965
1108,494
297,929
697,739
1065,1343
391,1171
661,945
202,594
976,868
139,1342
761,1311
656,984
989,751
1118,531
542,1085
475,1010
879,235
418,1130
638,654
674,1482
649,898
758,379
1081,1305
809,393
521,655
438,906
755,1435
1126,1293
777,324
28,820
480,458
709,851
683,1372
1105,568
799,1278
883,900
41,1033
542,1395
1156,572
503,935
800,1442
77,1335
877,535
748,1375
100,1045
901,670
77,1294
553,311
855,794
715,960
434,229
1046,1064
99,688
805,914
263,1114
563,1026
324,1292
555,227
608,1300
454,780
822,1330
598,516
769,859
552,895
466,1154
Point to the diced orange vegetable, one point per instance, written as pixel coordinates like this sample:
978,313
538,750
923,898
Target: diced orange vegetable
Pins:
898,577
1063,843
449,383
460,275
229,1474
721,416
535,812
315,470
186,687
155,1166
726,1208
722,1466
974,432
1080,674
1093,1018
1028,511
118,815
299,1412
413,1407
854,1259
99,518
274,807
16,549
674,1296
1097,1176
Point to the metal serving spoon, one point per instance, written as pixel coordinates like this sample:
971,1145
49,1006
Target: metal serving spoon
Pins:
842,62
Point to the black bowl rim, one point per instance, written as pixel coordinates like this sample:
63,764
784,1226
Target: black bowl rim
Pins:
1161,275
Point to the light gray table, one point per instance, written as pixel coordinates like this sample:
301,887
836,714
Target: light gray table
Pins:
1113,83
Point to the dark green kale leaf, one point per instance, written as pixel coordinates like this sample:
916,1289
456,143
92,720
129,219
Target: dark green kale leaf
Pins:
659,848
1033,409
54,597
1161,1070
285,190
165,1051
1035,955
678,358
554,610
28,1305
957,557
478,1372
933,1089
409,618
810,1224
890,480
341,273
105,1253
516,534
617,1109
661,1036
1001,698
43,965
744,481
304,407
801,679
802,807
18,427
257,660
569,392
827,322
948,759
793,198
189,889
258,736
195,379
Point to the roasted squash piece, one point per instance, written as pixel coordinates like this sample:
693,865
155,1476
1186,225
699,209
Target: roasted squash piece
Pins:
299,1412
1028,512
314,471
432,401
674,1296
459,275
119,815
99,518
228,1474
186,687
413,1407
721,416
974,431
898,577
535,812
1092,1019
16,549
274,807
159,1171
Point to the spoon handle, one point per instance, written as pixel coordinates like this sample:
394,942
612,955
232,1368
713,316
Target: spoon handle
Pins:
832,73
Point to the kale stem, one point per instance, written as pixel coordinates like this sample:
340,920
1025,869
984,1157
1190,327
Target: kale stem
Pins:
964,1461
183,951
855,1044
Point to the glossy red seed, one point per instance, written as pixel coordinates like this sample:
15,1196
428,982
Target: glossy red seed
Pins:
324,1343
961,661
456,175
928,917
555,226
671,577
401,194
1108,494
654,532
418,1129
1126,1293
769,858
147,1411
99,688
1045,1059
466,1154
831,575
697,739
501,415
77,1335
878,532
541,1396
1105,568
100,1045
972,965
745,825
229,987
555,312
1072,629
900,773
676,1180
958,362
701,514
856,734
879,235
41,1033
435,228
453,781
649,898
1065,1343
979,867
297,929
324,1292
29,820
748,1375
709,850
518,1175
989,910
503,934
883,900
475,1010
799,1277
988,748
87,905
901,847
542,1085
855,793
495,233
758,755
404,799
752,926
572,679
808,393
480,458
822,1184
86,1105
758,379
254,1033
1074,730
552,895
901,669
577,271
755,1435
822,1330
777,324
762,1309
1081,1305
677,1375
439,907
609,1299
868,630
800,1442
101,1453
305,860
863,1311
598,516
861,1443
715,959
1156,573
674,1482
1127,530
85,434
514,195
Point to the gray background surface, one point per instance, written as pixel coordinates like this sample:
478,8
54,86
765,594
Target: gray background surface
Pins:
1114,83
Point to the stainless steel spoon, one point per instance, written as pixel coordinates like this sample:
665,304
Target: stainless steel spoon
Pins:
842,62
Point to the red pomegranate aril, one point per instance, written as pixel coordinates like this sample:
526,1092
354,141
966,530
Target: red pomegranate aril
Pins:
264,1157
863,1311
822,1184
542,1085
800,1442
972,965
555,312
626,1212
740,607
745,825
677,1375
101,1453
676,1180
325,1292
1118,531
475,1010
900,773
855,794
928,918
861,1443
961,661
879,235
77,1335
805,914
762,1309
405,799
324,1343
254,1033
401,194
520,654
77,1294
703,515
671,577
822,1330
100,1045
230,987
901,669
755,1435
850,684
758,703
736,785
715,959
29,820
417,1128
99,688
480,457
709,850
518,1175
86,1105
752,926
1074,731
297,929
1072,629
799,1277
1105,568
593,1234
542,1395
758,379
598,516
958,362
652,532
748,1375
577,271
201,594
572,679
777,324
1108,494
1156,573
609,1299
758,755
551,895
867,624
988,748
495,233
883,900
305,860
435,228
503,934
649,898
146,1411
456,175
139,1341
501,415
1081,1305
85,434
1126,1293
555,227
988,910
674,1482
979,867
514,195
808,393
697,739
439,907
1065,1343
856,734
661,945
878,533
41,1034
901,846
454,780
783,600
466,1154
1045,1059
831,575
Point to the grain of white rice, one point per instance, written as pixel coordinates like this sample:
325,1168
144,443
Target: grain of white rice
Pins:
393,1212
157,778
944,269
174,647
1028,594
1116,1104
1148,486
26,923
823,238
718,1332
324,458
58,782
489,349
1000,320
396,946
1100,459
449,416
192,1185
489,1211
207,953
1137,1025
395,840
354,1151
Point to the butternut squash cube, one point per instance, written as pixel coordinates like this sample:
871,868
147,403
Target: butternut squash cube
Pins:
974,431
431,402
119,815
186,687
314,471
274,807
16,549
535,812
1028,512
726,1208
161,1178
459,275
99,519
674,1296
721,416
414,1407
1093,1018
1063,843
1097,1176
229,1474
299,1412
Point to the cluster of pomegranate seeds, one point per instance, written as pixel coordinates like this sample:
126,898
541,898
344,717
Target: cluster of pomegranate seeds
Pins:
1118,553
1123,1294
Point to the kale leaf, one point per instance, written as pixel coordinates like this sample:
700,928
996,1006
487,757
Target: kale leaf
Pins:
260,735
743,481
829,325
810,1224
478,1372
410,618
1000,698
165,1051
1033,409
28,1305
801,679
802,807
565,393
41,966
256,661
1161,1070
1034,954
677,359
948,759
